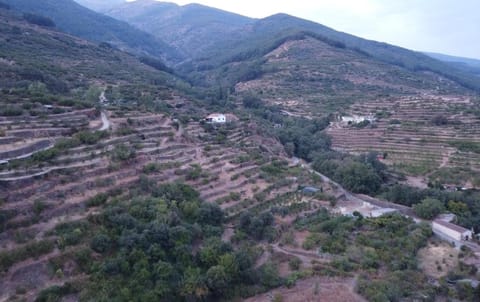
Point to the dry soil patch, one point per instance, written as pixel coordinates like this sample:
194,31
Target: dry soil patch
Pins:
442,256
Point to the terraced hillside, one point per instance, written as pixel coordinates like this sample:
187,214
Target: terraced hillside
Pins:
80,128
310,77
427,135
113,186
43,189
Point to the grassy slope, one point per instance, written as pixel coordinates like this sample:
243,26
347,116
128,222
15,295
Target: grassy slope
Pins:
465,64
68,68
194,29
215,40
322,78
276,25
82,22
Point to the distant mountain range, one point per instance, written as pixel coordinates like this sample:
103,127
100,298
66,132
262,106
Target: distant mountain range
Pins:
194,29
210,37
100,6
202,43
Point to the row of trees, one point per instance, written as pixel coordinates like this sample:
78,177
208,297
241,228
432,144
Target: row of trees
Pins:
303,138
430,202
361,174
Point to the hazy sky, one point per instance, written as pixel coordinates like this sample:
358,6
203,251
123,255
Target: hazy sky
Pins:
445,26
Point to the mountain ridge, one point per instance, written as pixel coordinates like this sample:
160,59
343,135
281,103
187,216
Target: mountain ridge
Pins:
213,44
80,21
185,27
466,64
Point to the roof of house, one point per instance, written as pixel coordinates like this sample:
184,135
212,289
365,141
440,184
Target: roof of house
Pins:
451,226
215,115
383,211
310,190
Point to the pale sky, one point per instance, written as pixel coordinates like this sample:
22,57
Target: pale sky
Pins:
445,26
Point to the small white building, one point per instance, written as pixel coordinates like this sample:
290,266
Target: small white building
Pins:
355,119
382,211
450,230
216,118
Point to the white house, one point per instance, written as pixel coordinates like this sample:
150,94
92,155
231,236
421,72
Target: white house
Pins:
450,230
355,119
216,118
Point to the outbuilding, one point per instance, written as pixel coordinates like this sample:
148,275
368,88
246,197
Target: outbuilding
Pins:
216,118
309,190
450,230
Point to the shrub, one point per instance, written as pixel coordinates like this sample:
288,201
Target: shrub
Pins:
155,63
91,138
362,124
97,200
251,101
122,153
194,172
38,20
38,207
56,292
150,168
429,208
100,243
11,111
439,120
45,155
294,263
467,146
277,297
34,249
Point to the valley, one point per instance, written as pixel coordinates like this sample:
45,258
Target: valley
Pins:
186,153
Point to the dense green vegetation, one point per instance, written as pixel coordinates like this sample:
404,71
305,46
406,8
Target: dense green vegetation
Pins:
428,208
361,174
33,249
303,137
382,249
67,73
166,246
467,146
464,204
182,26
39,20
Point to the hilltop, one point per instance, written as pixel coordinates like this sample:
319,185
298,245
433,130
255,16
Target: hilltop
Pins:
193,29
219,37
100,5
